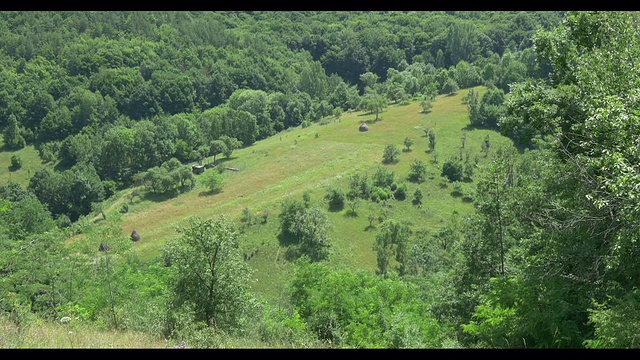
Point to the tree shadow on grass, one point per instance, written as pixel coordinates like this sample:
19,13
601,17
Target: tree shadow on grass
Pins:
160,197
467,199
208,193
286,239
351,213
62,166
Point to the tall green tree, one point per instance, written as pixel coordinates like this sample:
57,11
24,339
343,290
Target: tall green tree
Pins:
231,145
12,138
314,81
462,42
374,102
209,275
392,242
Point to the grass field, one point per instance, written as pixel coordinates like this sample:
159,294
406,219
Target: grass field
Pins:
31,163
308,160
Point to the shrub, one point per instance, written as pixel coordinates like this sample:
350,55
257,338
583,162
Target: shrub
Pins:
380,194
213,181
109,188
383,177
453,169
16,162
336,198
417,196
359,186
417,170
401,192
390,154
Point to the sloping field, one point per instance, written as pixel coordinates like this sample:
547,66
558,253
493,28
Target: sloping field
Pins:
310,159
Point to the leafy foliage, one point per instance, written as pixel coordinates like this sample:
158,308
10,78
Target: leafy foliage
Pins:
390,154
346,309
209,275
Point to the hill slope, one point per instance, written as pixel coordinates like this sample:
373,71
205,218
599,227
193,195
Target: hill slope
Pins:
310,159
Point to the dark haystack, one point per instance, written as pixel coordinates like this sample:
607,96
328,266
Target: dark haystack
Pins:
135,236
104,247
364,127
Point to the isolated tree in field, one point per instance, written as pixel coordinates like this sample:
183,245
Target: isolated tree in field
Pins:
311,227
453,169
336,198
353,204
426,104
390,154
408,142
417,170
217,147
432,140
209,274
417,196
305,228
212,180
486,145
16,162
487,111
374,102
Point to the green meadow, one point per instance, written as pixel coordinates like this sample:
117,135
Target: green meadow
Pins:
310,160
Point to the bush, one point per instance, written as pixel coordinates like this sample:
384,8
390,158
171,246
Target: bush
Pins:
390,154
359,186
417,171
336,198
63,221
453,169
213,181
401,192
16,162
417,196
383,177
109,188
380,194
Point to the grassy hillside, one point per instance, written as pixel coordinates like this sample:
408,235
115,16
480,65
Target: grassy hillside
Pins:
31,162
308,160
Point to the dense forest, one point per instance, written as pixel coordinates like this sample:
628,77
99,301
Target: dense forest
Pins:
116,101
